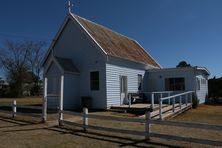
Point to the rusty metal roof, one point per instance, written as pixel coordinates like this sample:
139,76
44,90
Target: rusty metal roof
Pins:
117,45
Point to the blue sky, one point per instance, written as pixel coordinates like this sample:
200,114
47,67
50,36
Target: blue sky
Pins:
170,30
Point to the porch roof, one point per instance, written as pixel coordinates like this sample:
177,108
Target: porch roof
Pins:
67,65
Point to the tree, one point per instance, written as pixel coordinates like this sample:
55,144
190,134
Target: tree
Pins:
13,58
183,64
18,60
35,56
215,87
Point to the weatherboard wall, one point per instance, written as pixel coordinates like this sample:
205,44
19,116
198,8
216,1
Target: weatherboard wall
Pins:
114,69
156,80
203,92
75,44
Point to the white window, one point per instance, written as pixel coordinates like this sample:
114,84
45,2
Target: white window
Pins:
197,84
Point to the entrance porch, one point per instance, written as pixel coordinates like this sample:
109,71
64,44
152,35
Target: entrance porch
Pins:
166,107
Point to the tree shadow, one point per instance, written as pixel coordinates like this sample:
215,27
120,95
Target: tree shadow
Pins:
122,141
14,121
109,138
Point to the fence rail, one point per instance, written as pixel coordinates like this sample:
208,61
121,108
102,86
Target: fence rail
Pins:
187,124
160,93
15,106
147,124
188,96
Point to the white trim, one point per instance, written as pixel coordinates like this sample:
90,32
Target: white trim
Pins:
55,39
57,63
204,69
44,106
104,27
72,16
145,64
91,37
52,59
171,69
120,35
148,54
48,65
179,69
61,97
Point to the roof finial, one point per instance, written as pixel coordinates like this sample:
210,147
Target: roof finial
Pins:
70,5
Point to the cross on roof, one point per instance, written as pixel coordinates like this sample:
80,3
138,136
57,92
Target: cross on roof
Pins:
70,5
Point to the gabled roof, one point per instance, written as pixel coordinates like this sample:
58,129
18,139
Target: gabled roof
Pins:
67,65
117,45
111,43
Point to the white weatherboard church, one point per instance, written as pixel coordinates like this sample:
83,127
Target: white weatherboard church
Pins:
87,59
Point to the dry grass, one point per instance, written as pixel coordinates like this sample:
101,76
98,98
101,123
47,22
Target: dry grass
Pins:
22,101
27,134
211,114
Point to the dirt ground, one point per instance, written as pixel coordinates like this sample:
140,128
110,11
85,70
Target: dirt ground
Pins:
27,132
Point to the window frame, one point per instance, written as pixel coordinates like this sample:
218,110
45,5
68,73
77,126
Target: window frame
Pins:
198,83
173,83
95,81
140,82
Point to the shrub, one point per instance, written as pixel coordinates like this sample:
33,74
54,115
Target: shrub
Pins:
195,101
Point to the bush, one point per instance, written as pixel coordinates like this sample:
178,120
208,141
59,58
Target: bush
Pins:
195,101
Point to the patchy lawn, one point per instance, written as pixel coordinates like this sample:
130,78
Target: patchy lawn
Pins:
18,134
211,114
22,101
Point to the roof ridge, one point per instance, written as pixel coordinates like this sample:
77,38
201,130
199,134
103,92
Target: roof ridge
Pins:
105,27
113,38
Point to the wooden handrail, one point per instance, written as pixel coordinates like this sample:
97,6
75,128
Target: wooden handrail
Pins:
177,95
155,92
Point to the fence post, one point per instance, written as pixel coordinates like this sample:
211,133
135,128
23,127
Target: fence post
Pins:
160,108
180,102
152,100
61,100
173,104
161,95
129,100
168,99
186,98
85,118
44,105
191,97
147,125
14,110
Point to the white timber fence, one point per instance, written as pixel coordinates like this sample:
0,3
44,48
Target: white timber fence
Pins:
148,123
182,98
14,110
